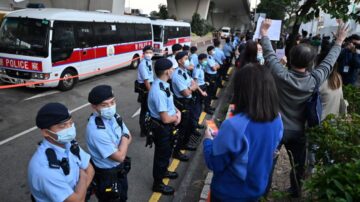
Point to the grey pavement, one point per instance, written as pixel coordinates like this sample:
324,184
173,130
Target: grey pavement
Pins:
18,108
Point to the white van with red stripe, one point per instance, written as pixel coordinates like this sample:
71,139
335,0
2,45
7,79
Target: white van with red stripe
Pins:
169,32
48,44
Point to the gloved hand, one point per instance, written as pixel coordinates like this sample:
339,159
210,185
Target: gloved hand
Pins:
149,139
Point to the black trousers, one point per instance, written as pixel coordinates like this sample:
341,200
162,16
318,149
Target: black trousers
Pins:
121,186
295,145
187,125
212,88
143,111
163,140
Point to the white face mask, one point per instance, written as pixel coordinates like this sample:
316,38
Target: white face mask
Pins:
65,136
148,56
108,112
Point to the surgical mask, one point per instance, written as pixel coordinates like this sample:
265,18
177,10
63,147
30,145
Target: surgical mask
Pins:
187,63
108,112
148,56
204,63
66,135
260,58
212,53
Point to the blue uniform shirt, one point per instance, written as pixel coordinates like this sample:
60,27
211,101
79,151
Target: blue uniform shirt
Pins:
159,101
145,71
194,59
51,184
219,56
228,49
199,75
180,81
211,64
102,143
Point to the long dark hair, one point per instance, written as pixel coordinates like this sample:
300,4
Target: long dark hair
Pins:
255,93
249,54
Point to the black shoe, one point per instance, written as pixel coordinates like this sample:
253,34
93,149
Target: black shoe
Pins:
180,156
164,189
215,98
171,175
200,126
189,147
209,111
293,193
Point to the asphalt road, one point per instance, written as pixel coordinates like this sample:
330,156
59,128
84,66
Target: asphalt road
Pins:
18,108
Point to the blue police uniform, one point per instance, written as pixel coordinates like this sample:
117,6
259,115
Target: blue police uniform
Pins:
51,184
194,59
173,60
145,72
211,64
199,76
161,100
228,50
180,81
102,141
220,58
211,77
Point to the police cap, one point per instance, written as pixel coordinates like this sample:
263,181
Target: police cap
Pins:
100,93
52,114
176,47
202,56
180,55
163,64
146,48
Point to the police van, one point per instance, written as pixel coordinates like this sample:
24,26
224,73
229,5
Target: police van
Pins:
48,47
169,32
225,32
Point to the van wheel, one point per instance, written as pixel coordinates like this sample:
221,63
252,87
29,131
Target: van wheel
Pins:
135,63
67,83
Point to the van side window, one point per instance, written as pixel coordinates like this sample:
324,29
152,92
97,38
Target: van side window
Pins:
143,32
106,34
84,34
63,40
126,32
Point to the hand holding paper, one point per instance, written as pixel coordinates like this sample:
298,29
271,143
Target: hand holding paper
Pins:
267,27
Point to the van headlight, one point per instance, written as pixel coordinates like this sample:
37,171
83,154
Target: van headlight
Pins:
42,76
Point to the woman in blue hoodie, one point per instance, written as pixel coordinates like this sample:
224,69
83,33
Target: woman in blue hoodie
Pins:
241,155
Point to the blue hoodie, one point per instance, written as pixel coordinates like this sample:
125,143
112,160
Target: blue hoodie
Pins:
241,157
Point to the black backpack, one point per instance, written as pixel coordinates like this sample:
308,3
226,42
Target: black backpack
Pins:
313,108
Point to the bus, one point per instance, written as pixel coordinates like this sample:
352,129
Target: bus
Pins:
169,32
57,44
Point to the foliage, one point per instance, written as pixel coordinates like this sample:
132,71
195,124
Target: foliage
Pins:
199,26
352,95
278,9
337,150
339,182
163,12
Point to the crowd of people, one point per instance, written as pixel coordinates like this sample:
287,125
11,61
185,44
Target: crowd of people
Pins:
270,98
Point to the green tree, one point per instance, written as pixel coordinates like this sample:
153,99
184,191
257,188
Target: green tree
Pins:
197,25
163,11
154,14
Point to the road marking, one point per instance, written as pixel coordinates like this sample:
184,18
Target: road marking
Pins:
155,197
136,113
42,95
34,128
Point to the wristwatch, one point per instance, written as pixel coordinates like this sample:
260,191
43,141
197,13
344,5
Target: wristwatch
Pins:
126,136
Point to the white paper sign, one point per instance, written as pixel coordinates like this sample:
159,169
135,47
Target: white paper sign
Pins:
274,30
280,53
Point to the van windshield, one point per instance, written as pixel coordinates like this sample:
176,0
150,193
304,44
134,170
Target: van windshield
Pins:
225,30
24,36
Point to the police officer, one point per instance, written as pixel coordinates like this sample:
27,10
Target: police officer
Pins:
202,96
184,87
219,58
176,48
211,72
229,52
193,56
164,117
59,170
144,80
108,140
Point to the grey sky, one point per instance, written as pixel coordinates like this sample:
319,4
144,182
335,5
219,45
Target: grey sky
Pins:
149,5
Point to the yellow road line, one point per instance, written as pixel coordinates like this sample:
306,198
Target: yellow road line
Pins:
155,197
230,70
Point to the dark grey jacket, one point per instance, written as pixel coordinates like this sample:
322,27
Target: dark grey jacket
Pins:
295,88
